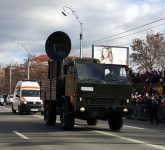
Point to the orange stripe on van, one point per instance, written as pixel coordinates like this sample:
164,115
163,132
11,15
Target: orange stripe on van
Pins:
29,87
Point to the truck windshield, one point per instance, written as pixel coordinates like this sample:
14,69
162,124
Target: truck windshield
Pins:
101,72
30,93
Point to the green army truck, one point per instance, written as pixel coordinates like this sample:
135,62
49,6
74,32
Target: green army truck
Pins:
83,88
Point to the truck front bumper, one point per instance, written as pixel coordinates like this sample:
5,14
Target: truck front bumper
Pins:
103,112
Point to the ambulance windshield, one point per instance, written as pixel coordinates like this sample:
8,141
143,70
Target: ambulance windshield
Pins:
30,93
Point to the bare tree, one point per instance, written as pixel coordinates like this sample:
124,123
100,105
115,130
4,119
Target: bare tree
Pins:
38,71
147,53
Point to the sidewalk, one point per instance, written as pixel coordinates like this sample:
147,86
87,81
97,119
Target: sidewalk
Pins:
144,124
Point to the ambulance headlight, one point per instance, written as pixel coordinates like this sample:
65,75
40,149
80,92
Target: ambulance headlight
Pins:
41,102
25,102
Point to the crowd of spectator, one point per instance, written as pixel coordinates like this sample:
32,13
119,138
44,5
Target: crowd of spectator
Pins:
149,102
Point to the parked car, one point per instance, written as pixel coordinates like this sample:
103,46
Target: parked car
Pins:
9,99
1,100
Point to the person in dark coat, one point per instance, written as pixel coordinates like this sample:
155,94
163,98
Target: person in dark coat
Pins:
153,109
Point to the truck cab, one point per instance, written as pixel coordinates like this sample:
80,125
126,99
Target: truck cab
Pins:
87,90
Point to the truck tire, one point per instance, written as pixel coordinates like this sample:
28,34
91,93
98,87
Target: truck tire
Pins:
50,114
92,121
67,119
115,122
20,110
160,116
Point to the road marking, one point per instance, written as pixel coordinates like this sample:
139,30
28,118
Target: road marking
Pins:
134,127
129,139
21,135
125,138
39,116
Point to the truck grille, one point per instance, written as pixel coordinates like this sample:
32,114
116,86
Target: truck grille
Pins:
98,101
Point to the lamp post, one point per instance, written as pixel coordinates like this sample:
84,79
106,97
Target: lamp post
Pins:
11,77
81,25
21,45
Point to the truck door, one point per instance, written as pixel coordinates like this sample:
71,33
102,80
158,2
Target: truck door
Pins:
70,81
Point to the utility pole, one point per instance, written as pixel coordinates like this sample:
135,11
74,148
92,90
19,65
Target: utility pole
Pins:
81,24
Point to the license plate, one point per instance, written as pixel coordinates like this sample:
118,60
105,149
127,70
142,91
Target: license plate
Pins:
34,109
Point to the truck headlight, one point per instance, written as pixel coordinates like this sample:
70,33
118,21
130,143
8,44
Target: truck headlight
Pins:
80,99
125,110
82,109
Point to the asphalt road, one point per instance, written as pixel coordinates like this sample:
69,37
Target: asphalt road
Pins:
22,132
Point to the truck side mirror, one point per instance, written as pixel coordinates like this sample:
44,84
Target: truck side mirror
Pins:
65,69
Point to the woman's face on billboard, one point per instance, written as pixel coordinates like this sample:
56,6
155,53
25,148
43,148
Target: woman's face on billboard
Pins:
105,52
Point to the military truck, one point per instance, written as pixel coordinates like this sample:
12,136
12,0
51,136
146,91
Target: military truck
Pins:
82,88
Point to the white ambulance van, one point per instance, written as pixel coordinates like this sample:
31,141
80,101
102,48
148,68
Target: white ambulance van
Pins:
26,97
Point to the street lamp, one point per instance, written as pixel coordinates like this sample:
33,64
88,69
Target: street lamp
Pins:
21,45
65,13
11,76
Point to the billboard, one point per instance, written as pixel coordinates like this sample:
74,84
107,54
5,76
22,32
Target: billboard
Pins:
110,54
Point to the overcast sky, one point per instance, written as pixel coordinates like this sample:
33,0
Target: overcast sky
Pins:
26,24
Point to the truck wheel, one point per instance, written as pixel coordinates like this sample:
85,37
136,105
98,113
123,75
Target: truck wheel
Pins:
42,113
67,119
91,121
115,122
50,114
160,116
13,110
20,110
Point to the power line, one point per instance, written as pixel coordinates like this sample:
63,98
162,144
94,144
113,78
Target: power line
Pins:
111,37
132,29
152,14
133,33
